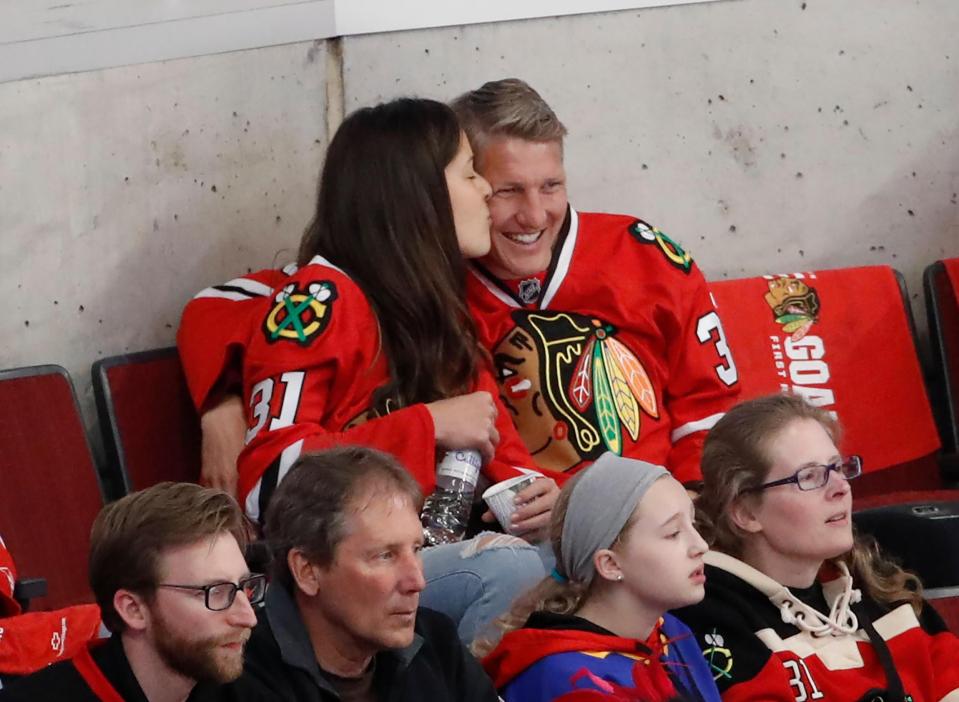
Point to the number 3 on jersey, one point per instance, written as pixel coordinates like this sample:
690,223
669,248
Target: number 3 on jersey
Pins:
262,396
710,328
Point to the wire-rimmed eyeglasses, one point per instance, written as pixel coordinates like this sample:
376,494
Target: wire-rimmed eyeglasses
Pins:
815,476
220,596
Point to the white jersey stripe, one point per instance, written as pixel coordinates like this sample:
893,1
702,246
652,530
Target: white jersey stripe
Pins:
703,424
562,264
225,294
251,286
493,288
287,458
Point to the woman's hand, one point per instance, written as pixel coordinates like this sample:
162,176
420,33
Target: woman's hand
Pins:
466,422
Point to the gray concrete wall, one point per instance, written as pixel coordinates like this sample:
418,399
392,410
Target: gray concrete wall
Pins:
766,135
124,191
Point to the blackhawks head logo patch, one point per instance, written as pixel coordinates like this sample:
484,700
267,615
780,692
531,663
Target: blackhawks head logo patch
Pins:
673,252
573,388
300,315
795,305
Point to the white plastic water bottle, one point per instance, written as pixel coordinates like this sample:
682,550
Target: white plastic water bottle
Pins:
447,511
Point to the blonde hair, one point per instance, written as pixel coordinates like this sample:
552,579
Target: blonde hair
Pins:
551,594
506,108
736,458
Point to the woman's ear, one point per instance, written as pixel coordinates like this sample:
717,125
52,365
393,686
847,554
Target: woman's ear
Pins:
606,564
742,512
304,572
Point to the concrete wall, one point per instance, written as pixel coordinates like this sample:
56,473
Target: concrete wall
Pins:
124,191
766,135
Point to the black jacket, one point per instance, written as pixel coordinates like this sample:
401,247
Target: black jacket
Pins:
436,667
62,681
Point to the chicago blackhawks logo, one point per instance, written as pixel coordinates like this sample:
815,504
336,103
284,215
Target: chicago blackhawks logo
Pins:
719,658
674,253
575,391
795,305
300,315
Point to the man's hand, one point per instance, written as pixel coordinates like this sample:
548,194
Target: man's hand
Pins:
224,432
466,422
534,507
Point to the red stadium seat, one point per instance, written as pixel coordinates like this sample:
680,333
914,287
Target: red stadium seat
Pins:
50,492
941,283
843,339
946,602
151,432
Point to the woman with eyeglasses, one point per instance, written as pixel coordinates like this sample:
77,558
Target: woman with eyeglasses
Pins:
797,606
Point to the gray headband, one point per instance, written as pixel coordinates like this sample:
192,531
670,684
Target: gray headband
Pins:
603,498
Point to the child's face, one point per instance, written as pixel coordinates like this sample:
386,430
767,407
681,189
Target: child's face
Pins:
661,554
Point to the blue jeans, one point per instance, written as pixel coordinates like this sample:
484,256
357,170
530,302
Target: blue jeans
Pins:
473,586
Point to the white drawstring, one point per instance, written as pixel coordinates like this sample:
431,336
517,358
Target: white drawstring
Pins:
841,620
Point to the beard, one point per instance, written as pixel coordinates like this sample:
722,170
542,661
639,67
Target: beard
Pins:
203,660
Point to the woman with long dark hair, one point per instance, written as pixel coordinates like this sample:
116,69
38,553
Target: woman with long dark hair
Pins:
368,341
797,606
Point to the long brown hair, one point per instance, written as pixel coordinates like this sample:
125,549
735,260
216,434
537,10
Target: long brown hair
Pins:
736,458
383,215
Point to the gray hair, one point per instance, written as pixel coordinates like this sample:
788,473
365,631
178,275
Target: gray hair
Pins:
310,508
507,107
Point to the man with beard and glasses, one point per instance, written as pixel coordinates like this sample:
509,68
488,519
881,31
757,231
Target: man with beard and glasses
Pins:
167,570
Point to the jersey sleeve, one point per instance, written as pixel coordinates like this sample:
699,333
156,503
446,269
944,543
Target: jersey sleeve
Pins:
212,331
944,652
703,380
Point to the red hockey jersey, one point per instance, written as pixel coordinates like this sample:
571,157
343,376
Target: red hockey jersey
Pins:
617,347
308,344
748,629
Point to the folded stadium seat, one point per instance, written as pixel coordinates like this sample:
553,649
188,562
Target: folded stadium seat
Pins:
843,339
50,492
941,285
151,431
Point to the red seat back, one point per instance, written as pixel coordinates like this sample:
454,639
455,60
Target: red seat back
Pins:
941,282
151,432
844,340
948,608
50,492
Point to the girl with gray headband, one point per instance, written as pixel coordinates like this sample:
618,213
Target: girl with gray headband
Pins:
626,551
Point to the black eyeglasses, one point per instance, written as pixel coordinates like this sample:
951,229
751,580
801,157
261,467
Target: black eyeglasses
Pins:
815,476
220,596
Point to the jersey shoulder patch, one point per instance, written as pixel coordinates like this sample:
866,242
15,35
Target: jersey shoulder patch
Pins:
300,312
676,255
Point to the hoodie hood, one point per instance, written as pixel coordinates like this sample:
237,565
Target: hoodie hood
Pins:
547,634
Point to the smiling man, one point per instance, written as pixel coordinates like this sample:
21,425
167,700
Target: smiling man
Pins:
342,618
169,575
602,329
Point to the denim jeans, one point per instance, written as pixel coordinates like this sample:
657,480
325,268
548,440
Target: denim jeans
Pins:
473,586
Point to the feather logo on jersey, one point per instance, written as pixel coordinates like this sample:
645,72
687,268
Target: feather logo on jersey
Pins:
795,305
300,315
574,389
673,252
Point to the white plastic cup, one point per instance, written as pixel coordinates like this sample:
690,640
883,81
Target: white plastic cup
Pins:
501,497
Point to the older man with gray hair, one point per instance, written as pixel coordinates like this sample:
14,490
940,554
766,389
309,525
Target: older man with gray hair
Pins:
341,620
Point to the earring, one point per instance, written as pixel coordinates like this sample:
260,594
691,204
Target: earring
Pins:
619,578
